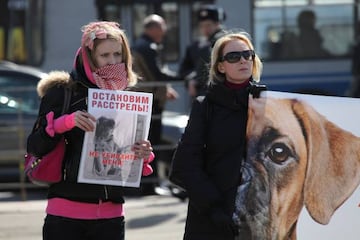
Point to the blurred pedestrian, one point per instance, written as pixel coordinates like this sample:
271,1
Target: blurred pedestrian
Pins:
78,210
208,159
194,68
306,43
310,41
148,64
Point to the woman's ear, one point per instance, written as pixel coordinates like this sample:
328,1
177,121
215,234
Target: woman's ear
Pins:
220,67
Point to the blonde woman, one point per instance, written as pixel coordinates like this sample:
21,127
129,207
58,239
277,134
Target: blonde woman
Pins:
84,211
211,174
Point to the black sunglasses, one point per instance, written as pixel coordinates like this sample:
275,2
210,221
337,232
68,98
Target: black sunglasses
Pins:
234,57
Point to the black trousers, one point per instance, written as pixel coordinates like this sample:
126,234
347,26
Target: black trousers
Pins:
155,130
61,228
155,133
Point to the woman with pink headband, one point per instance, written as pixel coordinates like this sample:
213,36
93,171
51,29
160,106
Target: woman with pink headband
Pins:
77,210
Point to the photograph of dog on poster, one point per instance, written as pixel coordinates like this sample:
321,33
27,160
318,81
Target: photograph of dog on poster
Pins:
302,171
110,157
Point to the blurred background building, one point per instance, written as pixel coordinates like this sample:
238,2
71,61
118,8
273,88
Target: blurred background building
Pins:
42,33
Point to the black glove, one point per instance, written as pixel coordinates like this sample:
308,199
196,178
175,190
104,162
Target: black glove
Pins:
256,89
223,221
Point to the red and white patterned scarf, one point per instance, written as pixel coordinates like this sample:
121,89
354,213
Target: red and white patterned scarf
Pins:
111,77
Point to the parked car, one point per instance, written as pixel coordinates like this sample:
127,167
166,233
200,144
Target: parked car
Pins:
19,104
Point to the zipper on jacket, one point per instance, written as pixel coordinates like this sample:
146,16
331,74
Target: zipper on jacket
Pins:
106,193
64,171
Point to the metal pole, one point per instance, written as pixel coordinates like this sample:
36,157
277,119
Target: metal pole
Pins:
21,150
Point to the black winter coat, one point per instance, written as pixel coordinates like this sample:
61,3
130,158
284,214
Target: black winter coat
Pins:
212,174
39,142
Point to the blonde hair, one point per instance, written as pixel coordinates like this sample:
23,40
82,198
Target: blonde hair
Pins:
95,32
217,51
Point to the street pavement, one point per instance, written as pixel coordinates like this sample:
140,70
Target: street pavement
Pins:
160,217
147,217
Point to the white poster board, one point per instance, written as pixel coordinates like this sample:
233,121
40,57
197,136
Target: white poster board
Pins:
123,118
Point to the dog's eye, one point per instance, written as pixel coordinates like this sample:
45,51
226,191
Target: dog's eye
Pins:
279,153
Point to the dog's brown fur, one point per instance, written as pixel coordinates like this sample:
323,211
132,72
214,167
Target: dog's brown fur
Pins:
322,173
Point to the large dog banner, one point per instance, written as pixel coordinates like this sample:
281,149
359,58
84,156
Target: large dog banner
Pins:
302,170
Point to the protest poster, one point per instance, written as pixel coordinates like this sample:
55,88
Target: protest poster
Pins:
123,118
302,170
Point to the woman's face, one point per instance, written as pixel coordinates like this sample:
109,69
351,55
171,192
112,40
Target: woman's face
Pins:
239,71
107,52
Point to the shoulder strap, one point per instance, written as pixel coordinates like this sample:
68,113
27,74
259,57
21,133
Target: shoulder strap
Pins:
65,108
67,98
208,108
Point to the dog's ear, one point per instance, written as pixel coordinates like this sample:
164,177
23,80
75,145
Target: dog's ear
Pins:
333,166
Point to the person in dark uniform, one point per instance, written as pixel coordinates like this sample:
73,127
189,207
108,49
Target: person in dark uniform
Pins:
194,66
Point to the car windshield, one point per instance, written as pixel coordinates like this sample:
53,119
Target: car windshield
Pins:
18,94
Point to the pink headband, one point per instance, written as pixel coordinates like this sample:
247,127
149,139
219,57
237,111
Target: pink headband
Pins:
96,30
